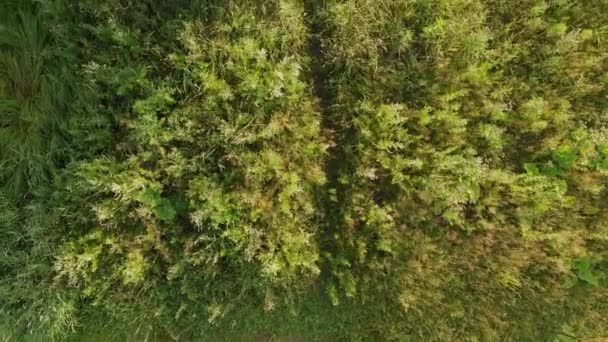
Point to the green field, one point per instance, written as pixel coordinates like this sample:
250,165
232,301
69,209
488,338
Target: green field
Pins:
304,170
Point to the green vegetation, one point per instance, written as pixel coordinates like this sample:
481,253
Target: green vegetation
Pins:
304,170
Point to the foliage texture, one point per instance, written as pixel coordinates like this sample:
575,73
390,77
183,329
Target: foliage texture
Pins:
323,170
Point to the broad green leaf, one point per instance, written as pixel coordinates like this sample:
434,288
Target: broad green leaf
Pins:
583,267
165,211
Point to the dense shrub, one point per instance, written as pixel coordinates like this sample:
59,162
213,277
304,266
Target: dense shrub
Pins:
210,194
472,154
353,169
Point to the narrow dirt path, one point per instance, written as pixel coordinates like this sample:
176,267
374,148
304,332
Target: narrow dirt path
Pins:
321,76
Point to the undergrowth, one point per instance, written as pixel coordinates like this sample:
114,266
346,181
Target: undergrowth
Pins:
303,170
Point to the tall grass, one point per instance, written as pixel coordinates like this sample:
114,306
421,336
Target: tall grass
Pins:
463,197
34,99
